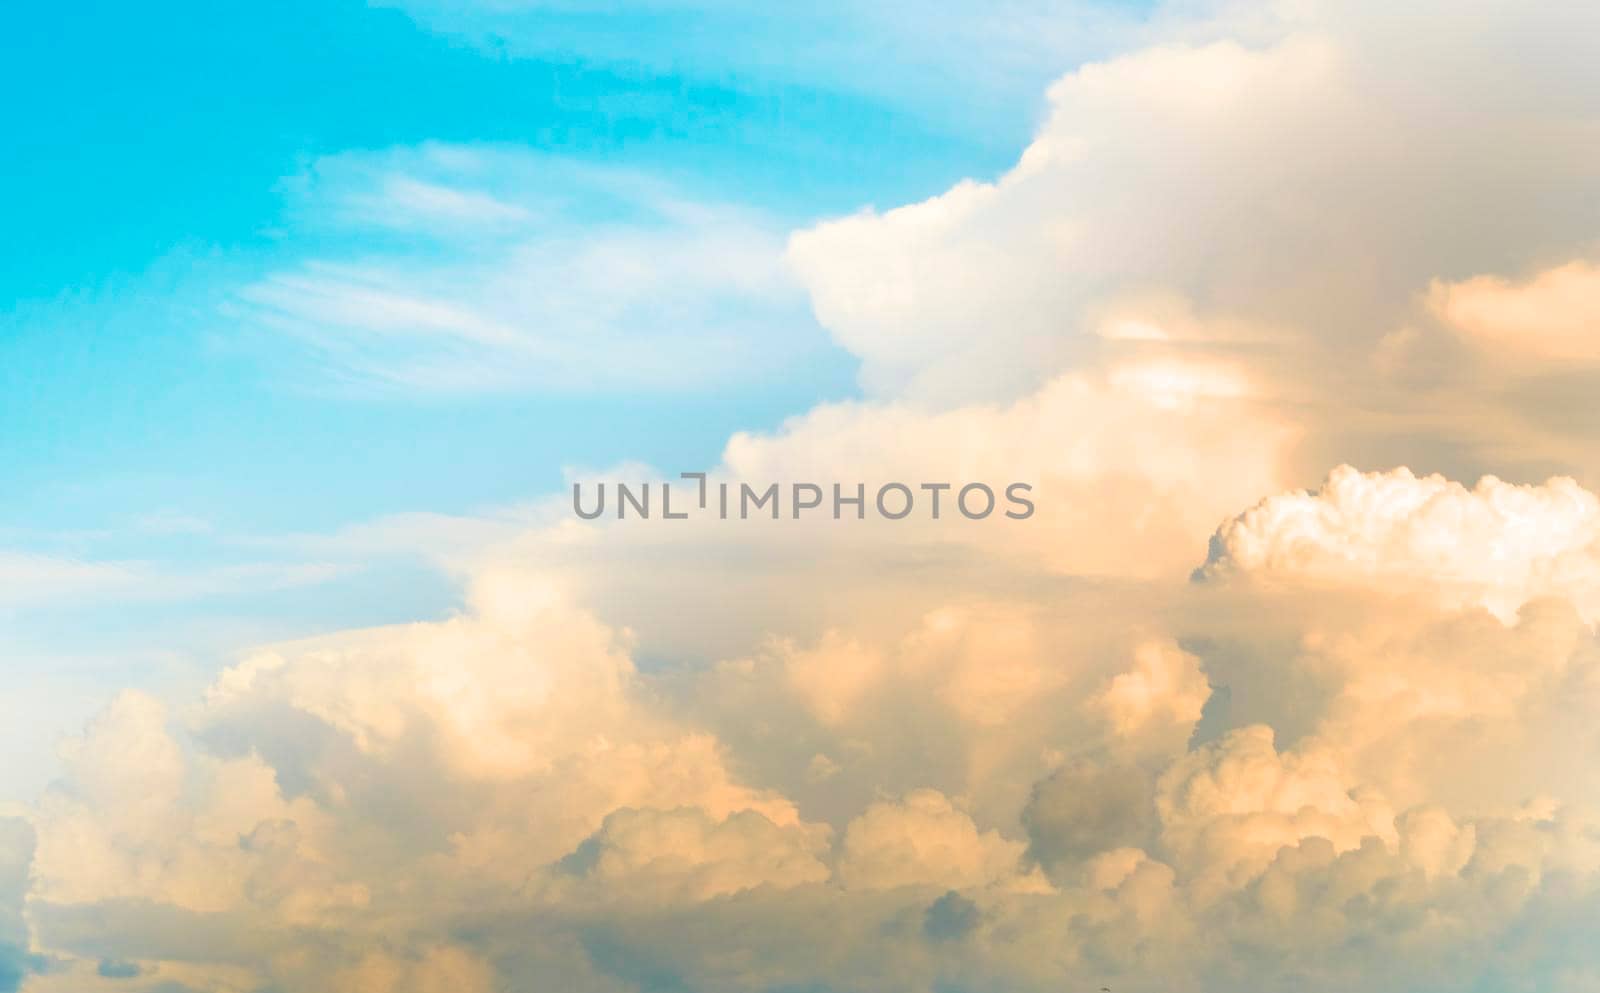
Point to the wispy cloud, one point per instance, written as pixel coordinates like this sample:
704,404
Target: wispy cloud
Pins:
513,270
405,198
33,580
954,60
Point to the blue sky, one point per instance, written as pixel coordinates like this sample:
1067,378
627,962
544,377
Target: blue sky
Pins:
205,206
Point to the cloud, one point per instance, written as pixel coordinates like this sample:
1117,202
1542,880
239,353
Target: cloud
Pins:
1496,546
1548,318
1227,809
991,56
17,961
923,840
1165,687
493,269
29,579
403,199
682,854
1278,186
913,755
440,969
566,810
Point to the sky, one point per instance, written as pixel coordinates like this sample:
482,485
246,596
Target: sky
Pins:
312,314
165,411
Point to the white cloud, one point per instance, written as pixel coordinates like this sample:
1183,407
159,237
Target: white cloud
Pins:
29,579
955,62
1277,186
1496,546
534,272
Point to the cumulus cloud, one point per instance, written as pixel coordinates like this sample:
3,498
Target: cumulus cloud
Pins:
1227,809
1279,185
1496,546
683,851
1165,688
923,840
575,816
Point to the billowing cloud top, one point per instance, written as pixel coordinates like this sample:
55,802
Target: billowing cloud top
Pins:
1496,546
